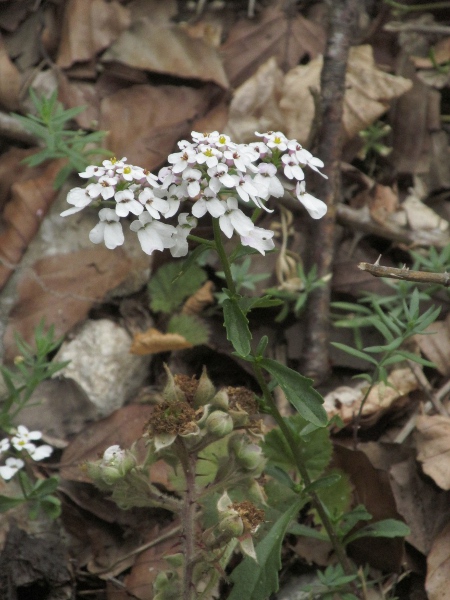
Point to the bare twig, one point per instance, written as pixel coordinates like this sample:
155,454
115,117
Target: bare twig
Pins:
405,274
343,20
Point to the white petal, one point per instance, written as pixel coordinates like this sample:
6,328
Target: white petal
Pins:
316,208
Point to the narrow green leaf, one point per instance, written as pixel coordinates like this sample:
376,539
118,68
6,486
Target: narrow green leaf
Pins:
298,529
387,348
299,391
236,324
355,352
417,359
257,581
6,503
323,482
389,528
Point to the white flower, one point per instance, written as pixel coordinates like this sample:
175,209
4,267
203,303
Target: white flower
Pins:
274,139
92,171
150,178
105,187
152,234
41,452
292,169
23,437
185,224
234,219
260,239
316,208
130,172
126,203
241,160
260,148
113,455
182,160
80,198
219,177
224,140
10,468
245,188
175,194
167,177
5,445
205,138
114,164
192,177
208,155
108,230
208,202
306,158
153,203
267,178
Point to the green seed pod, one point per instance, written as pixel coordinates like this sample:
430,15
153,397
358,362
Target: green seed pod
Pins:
219,424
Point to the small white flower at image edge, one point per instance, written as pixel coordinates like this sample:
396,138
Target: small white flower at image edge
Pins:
10,468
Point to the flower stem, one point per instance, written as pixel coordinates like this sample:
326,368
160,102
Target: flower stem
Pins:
337,546
223,257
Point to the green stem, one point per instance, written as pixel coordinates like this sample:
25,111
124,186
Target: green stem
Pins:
223,257
200,240
338,547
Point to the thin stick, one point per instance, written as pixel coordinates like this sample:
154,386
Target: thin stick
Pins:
405,274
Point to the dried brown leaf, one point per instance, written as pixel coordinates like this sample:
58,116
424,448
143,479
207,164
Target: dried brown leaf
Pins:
168,50
436,347
10,80
288,39
438,567
153,341
433,447
122,427
61,289
368,93
145,122
23,214
89,26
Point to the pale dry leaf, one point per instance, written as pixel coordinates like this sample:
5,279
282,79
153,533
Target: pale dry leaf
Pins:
202,298
144,122
153,341
275,34
255,104
420,216
10,80
436,347
89,26
168,50
346,402
368,93
433,447
438,567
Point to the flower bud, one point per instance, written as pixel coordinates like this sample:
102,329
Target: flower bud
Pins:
219,424
248,456
205,390
171,391
231,525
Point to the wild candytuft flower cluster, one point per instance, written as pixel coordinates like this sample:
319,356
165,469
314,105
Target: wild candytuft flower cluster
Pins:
213,174
22,441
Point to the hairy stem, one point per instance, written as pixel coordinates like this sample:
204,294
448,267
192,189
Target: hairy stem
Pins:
188,518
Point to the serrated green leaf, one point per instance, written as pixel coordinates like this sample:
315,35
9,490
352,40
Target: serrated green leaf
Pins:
298,390
167,290
191,327
355,352
236,324
257,581
314,448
